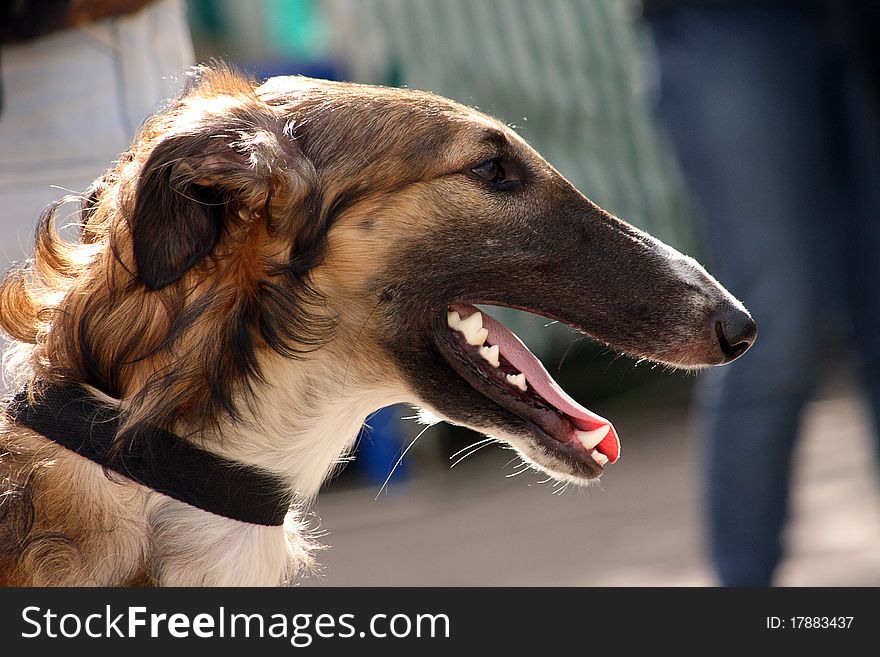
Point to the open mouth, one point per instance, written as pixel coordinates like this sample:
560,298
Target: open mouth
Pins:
496,363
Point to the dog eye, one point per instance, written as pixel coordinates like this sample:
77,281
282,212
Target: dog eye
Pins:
490,170
496,173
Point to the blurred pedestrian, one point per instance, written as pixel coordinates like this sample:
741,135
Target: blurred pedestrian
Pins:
773,109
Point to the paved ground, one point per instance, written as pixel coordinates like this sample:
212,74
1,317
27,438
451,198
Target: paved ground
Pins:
473,525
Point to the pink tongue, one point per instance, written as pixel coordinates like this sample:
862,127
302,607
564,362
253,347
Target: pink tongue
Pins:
518,355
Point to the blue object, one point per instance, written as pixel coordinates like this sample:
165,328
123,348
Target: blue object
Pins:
379,446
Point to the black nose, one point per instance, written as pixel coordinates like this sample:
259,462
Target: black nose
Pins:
735,330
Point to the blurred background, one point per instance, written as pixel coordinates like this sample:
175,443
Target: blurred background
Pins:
743,133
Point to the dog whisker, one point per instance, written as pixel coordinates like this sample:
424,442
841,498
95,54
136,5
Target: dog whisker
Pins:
354,346
479,442
482,444
524,466
400,460
571,345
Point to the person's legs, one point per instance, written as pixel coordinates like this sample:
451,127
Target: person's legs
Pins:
741,98
859,223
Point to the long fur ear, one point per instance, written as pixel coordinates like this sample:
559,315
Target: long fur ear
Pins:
193,181
175,222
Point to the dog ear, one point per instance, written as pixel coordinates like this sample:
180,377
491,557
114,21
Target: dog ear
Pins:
192,182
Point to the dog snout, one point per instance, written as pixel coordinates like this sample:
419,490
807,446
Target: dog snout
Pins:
735,331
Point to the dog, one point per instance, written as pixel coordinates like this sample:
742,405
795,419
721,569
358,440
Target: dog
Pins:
266,266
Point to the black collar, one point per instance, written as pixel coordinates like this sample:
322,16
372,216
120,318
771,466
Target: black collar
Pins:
72,417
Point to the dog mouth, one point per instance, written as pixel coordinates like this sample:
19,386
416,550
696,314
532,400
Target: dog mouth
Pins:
497,364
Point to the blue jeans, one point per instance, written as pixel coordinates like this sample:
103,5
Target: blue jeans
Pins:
775,123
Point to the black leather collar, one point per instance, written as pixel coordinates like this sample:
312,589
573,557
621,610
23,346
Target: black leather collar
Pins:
70,416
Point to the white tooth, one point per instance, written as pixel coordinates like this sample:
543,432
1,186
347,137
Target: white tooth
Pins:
518,380
472,328
590,439
453,319
599,457
491,354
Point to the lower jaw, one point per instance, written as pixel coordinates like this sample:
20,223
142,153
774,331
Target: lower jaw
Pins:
563,460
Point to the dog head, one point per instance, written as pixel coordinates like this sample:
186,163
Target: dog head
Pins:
349,230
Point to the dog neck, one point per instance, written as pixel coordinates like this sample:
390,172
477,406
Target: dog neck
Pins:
300,426
304,420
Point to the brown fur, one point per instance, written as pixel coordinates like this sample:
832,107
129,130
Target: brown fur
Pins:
299,238
45,537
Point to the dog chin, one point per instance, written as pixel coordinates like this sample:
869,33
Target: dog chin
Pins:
531,451
538,457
